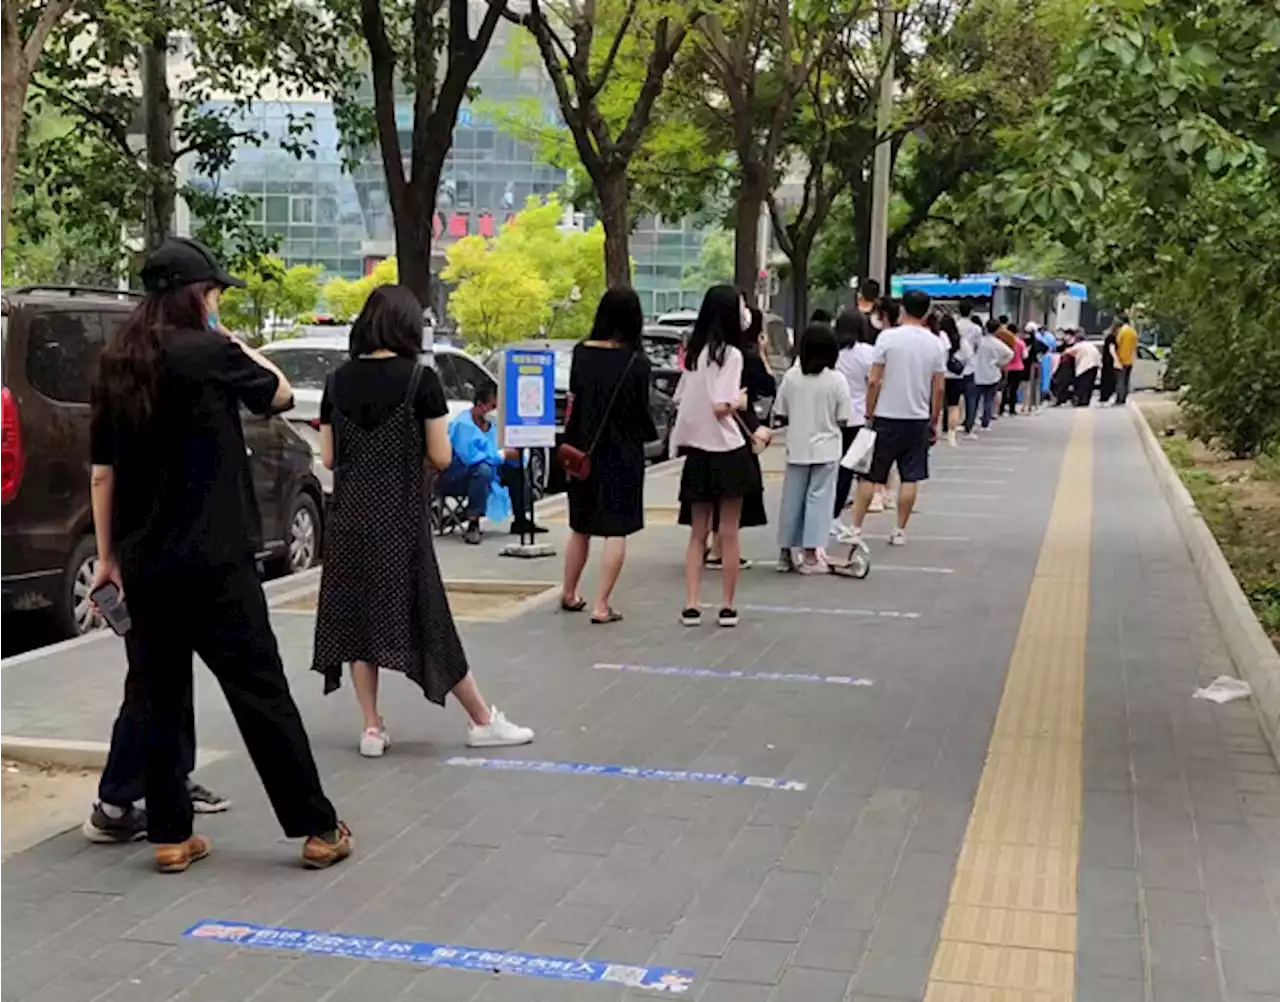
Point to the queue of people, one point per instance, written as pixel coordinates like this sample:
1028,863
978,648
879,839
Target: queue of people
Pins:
177,524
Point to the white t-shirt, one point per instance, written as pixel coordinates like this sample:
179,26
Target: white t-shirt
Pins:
1086,355
697,393
815,407
911,357
990,359
855,365
970,334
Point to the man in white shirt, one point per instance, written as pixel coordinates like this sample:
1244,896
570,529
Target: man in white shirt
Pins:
971,334
904,400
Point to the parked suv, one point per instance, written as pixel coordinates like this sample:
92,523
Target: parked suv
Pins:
51,341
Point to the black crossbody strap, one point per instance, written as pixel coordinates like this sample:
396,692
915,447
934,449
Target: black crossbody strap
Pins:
604,418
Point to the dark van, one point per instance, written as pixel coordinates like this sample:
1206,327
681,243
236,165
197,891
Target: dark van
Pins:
51,340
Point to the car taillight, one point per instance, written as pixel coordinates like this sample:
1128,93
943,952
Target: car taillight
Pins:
13,459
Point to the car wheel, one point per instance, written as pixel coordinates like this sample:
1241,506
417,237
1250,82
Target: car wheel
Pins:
75,614
303,537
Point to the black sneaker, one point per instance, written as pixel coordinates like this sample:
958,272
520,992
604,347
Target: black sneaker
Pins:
691,617
131,826
728,617
472,535
205,801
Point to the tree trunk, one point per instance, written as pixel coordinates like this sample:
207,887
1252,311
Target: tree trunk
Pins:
414,236
157,110
414,218
800,286
749,202
12,98
615,200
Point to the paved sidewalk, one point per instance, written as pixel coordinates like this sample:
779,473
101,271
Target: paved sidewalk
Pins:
1164,884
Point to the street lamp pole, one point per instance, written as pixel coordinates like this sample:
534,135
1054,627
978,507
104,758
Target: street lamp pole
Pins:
878,252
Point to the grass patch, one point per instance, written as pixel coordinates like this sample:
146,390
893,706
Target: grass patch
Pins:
1240,503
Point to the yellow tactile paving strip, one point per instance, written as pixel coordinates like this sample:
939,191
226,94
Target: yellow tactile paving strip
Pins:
1009,934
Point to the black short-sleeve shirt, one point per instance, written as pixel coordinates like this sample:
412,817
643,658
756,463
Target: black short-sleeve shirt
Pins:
184,493
368,390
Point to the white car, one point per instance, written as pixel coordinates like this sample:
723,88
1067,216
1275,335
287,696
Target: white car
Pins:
307,361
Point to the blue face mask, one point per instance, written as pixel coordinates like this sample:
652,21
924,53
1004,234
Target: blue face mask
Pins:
211,319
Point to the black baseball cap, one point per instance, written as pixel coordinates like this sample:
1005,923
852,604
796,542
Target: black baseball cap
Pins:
179,262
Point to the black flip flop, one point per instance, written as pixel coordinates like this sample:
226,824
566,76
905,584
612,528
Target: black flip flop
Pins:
614,616
577,606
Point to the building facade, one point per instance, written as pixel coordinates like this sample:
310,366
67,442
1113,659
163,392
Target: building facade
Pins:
325,214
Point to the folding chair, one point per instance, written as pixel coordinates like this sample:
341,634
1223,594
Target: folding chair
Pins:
448,511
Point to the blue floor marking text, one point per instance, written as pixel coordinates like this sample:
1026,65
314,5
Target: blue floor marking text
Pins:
660,979
625,772
745,676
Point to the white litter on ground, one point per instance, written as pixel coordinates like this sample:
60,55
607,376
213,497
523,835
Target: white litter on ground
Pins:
1224,689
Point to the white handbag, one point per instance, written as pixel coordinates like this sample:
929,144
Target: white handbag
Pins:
858,456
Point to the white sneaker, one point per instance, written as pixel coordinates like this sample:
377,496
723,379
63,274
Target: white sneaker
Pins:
498,732
951,438
837,527
819,566
785,564
877,504
846,534
897,538
374,742
890,502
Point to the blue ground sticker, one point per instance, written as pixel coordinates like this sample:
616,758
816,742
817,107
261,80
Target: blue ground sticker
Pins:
744,676
817,611
464,958
625,772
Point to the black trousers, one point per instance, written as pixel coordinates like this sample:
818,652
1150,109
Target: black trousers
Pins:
123,779
1084,385
220,614
844,478
513,479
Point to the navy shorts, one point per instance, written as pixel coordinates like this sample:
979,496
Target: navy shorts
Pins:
902,441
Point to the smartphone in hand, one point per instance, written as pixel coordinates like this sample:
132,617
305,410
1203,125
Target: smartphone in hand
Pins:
111,605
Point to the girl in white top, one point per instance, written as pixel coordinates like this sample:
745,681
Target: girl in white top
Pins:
856,338
718,468
816,401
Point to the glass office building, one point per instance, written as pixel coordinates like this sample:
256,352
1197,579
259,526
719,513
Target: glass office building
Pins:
327,215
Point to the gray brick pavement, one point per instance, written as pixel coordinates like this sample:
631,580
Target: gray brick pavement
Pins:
834,893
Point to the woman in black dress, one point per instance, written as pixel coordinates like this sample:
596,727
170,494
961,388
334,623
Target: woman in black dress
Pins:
382,600
609,419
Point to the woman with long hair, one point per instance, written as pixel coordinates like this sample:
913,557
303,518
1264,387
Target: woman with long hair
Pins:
758,383
609,418
958,355
383,419
719,471
177,529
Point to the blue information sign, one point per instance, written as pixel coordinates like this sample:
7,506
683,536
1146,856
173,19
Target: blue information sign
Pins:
528,399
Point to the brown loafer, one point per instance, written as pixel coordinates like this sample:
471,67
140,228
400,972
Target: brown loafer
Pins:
322,851
176,857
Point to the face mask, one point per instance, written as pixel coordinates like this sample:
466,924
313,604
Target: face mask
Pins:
744,317
211,319
877,322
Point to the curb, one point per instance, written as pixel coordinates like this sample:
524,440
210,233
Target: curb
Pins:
76,754
1251,650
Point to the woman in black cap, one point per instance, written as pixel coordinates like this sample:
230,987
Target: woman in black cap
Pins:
176,523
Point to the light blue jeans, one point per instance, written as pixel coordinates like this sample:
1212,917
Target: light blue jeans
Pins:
808,492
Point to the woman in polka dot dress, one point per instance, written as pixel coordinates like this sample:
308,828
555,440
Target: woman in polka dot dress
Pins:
382,599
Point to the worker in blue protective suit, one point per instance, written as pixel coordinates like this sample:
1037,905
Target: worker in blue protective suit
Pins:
491,477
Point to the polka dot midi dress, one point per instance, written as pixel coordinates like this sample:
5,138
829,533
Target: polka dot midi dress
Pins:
382,599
